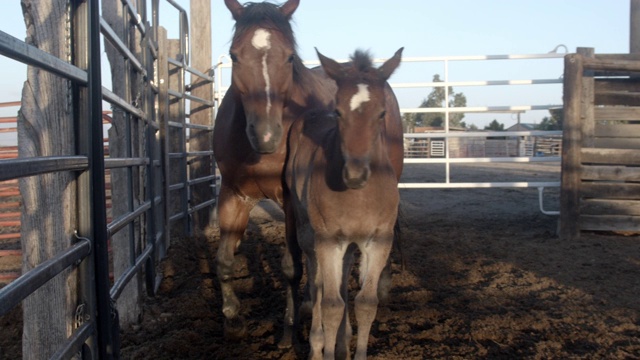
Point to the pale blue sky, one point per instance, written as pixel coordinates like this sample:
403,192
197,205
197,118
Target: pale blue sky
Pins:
425,28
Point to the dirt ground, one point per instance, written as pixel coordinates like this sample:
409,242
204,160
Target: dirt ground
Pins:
486,278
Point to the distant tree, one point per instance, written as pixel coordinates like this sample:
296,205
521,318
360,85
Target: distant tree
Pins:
495,126
408,122
553,122
436,99
473,127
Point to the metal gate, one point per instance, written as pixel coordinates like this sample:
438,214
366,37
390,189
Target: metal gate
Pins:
148,166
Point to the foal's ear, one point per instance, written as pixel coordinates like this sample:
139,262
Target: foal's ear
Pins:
235,7
289,7
331,67
390,65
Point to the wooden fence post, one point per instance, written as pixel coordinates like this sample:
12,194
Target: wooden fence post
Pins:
122,145
201,140
571,139
176,115
46,128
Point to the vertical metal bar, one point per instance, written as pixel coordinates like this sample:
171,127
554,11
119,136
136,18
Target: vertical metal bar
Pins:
446,123
87,291
92,217
147,61
128,146
184,164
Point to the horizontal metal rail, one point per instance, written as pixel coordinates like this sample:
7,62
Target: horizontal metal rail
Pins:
479,185
115,100
124,278
122,221
31,55
18,290
483,134
74,343
113,163
22,167
113,38
521,159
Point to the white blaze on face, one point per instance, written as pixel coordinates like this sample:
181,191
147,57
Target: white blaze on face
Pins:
362,96
261,41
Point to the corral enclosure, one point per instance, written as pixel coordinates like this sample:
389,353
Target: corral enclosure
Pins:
487,277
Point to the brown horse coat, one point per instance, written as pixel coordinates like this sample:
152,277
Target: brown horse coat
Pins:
342,174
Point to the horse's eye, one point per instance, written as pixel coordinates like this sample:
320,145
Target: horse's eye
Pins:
383,114
234,58
291,58
337,113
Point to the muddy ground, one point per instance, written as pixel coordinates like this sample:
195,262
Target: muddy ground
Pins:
486,278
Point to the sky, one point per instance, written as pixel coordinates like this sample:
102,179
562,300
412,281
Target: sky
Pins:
425,28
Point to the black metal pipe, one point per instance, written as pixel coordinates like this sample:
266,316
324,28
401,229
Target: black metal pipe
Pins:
12,294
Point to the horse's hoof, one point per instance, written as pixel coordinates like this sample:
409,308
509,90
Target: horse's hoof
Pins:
285,342
235,329
306,310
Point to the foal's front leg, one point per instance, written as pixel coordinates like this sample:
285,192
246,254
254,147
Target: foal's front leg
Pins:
330,256
233,215
374,259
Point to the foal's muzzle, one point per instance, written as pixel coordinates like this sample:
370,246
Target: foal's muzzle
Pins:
355,173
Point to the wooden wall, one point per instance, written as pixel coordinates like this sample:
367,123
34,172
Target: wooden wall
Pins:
601,144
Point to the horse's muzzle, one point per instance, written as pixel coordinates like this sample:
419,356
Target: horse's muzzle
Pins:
264,136
355,173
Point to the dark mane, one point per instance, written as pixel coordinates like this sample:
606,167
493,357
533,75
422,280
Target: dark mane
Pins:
265,15
361,61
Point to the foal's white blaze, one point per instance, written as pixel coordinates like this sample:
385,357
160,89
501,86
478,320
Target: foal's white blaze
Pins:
362,96
262,41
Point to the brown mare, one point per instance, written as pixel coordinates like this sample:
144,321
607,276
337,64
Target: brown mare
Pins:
270,88
342,174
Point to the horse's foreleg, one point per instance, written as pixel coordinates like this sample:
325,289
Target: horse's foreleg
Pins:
374,259
330,262
292,269
345,332
316,333
233,215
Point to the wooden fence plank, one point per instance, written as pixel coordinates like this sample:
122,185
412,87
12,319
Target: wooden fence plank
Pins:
611,190
599,63
610,156
605,172
610,223
617,84
617,98
618,130
617,143
618,113
610,207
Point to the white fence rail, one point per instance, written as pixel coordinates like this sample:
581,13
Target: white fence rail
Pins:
439,148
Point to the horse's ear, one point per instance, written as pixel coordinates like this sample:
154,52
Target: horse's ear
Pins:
235,7
289,8
333,68
390,65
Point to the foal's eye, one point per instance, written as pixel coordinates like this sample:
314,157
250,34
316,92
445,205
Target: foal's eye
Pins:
291,58
383,114
234,58
337,113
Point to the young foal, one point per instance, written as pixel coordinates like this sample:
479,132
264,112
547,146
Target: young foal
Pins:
343,188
